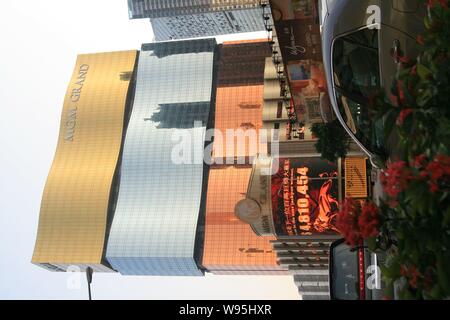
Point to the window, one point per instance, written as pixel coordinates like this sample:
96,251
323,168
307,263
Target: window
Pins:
356,63
344,273
356,78
279,109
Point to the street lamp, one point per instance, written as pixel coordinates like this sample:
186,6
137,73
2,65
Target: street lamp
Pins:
89,273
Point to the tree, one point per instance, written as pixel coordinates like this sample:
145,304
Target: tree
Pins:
333,140
412,225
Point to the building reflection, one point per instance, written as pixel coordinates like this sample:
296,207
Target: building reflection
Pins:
231,247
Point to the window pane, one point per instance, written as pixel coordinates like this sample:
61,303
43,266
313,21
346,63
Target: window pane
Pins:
345,273
356,63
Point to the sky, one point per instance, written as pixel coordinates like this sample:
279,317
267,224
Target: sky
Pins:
39,44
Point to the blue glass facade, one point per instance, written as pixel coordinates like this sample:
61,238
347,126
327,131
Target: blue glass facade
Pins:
158,225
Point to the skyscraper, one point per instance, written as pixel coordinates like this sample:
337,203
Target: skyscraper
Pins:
78,198
129,190
182,19
158,225
231,247
156,8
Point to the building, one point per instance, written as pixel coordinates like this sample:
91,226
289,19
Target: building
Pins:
239,98
158,225
293,195
139,9
157,215
78,200
207,24
308,261
231,247
191,19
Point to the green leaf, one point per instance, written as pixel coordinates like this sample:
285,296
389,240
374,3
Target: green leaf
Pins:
423,72
372,244
442,273
446,220
391,118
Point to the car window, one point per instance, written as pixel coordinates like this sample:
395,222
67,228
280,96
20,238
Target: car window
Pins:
356,63
344,273
356,78
357,118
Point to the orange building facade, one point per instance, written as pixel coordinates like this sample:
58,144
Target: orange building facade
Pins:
231,246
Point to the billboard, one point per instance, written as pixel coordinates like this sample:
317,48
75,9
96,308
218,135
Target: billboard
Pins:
305,193
298,31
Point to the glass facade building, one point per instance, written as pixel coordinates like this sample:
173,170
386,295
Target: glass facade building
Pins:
78,198
156,8
181,19
231,247
158,226
240,97
208,24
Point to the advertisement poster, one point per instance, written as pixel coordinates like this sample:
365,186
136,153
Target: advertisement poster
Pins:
294,9
298,32
299,39
305,195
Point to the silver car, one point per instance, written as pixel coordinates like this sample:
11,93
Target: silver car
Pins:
361,40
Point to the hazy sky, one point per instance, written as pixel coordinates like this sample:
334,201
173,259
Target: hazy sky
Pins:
39,43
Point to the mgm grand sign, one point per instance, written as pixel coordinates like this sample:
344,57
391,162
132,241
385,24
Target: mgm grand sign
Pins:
292,197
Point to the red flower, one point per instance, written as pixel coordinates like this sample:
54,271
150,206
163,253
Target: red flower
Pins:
443,3
347,222
438,172
414,275
420,161
403,115
369,221
434,187
356,223
393,203
396,178
411,273
400,91
394,100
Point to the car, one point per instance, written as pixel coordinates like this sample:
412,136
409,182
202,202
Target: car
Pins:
362,41
354,274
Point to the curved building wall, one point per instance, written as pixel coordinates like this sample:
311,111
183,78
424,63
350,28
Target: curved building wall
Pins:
74,209
231,246
240,100
238,108
157,227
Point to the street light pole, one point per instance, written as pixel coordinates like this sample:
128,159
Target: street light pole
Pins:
89,273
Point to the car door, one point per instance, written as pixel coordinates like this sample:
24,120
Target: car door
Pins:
402,22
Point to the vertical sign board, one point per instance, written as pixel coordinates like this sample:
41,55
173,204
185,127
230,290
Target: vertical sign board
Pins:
304,195
356,178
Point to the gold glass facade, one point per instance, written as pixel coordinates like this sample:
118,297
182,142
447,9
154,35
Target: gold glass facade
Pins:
76,200
231,247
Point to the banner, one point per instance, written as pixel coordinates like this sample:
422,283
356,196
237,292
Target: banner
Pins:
305,196
298,31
